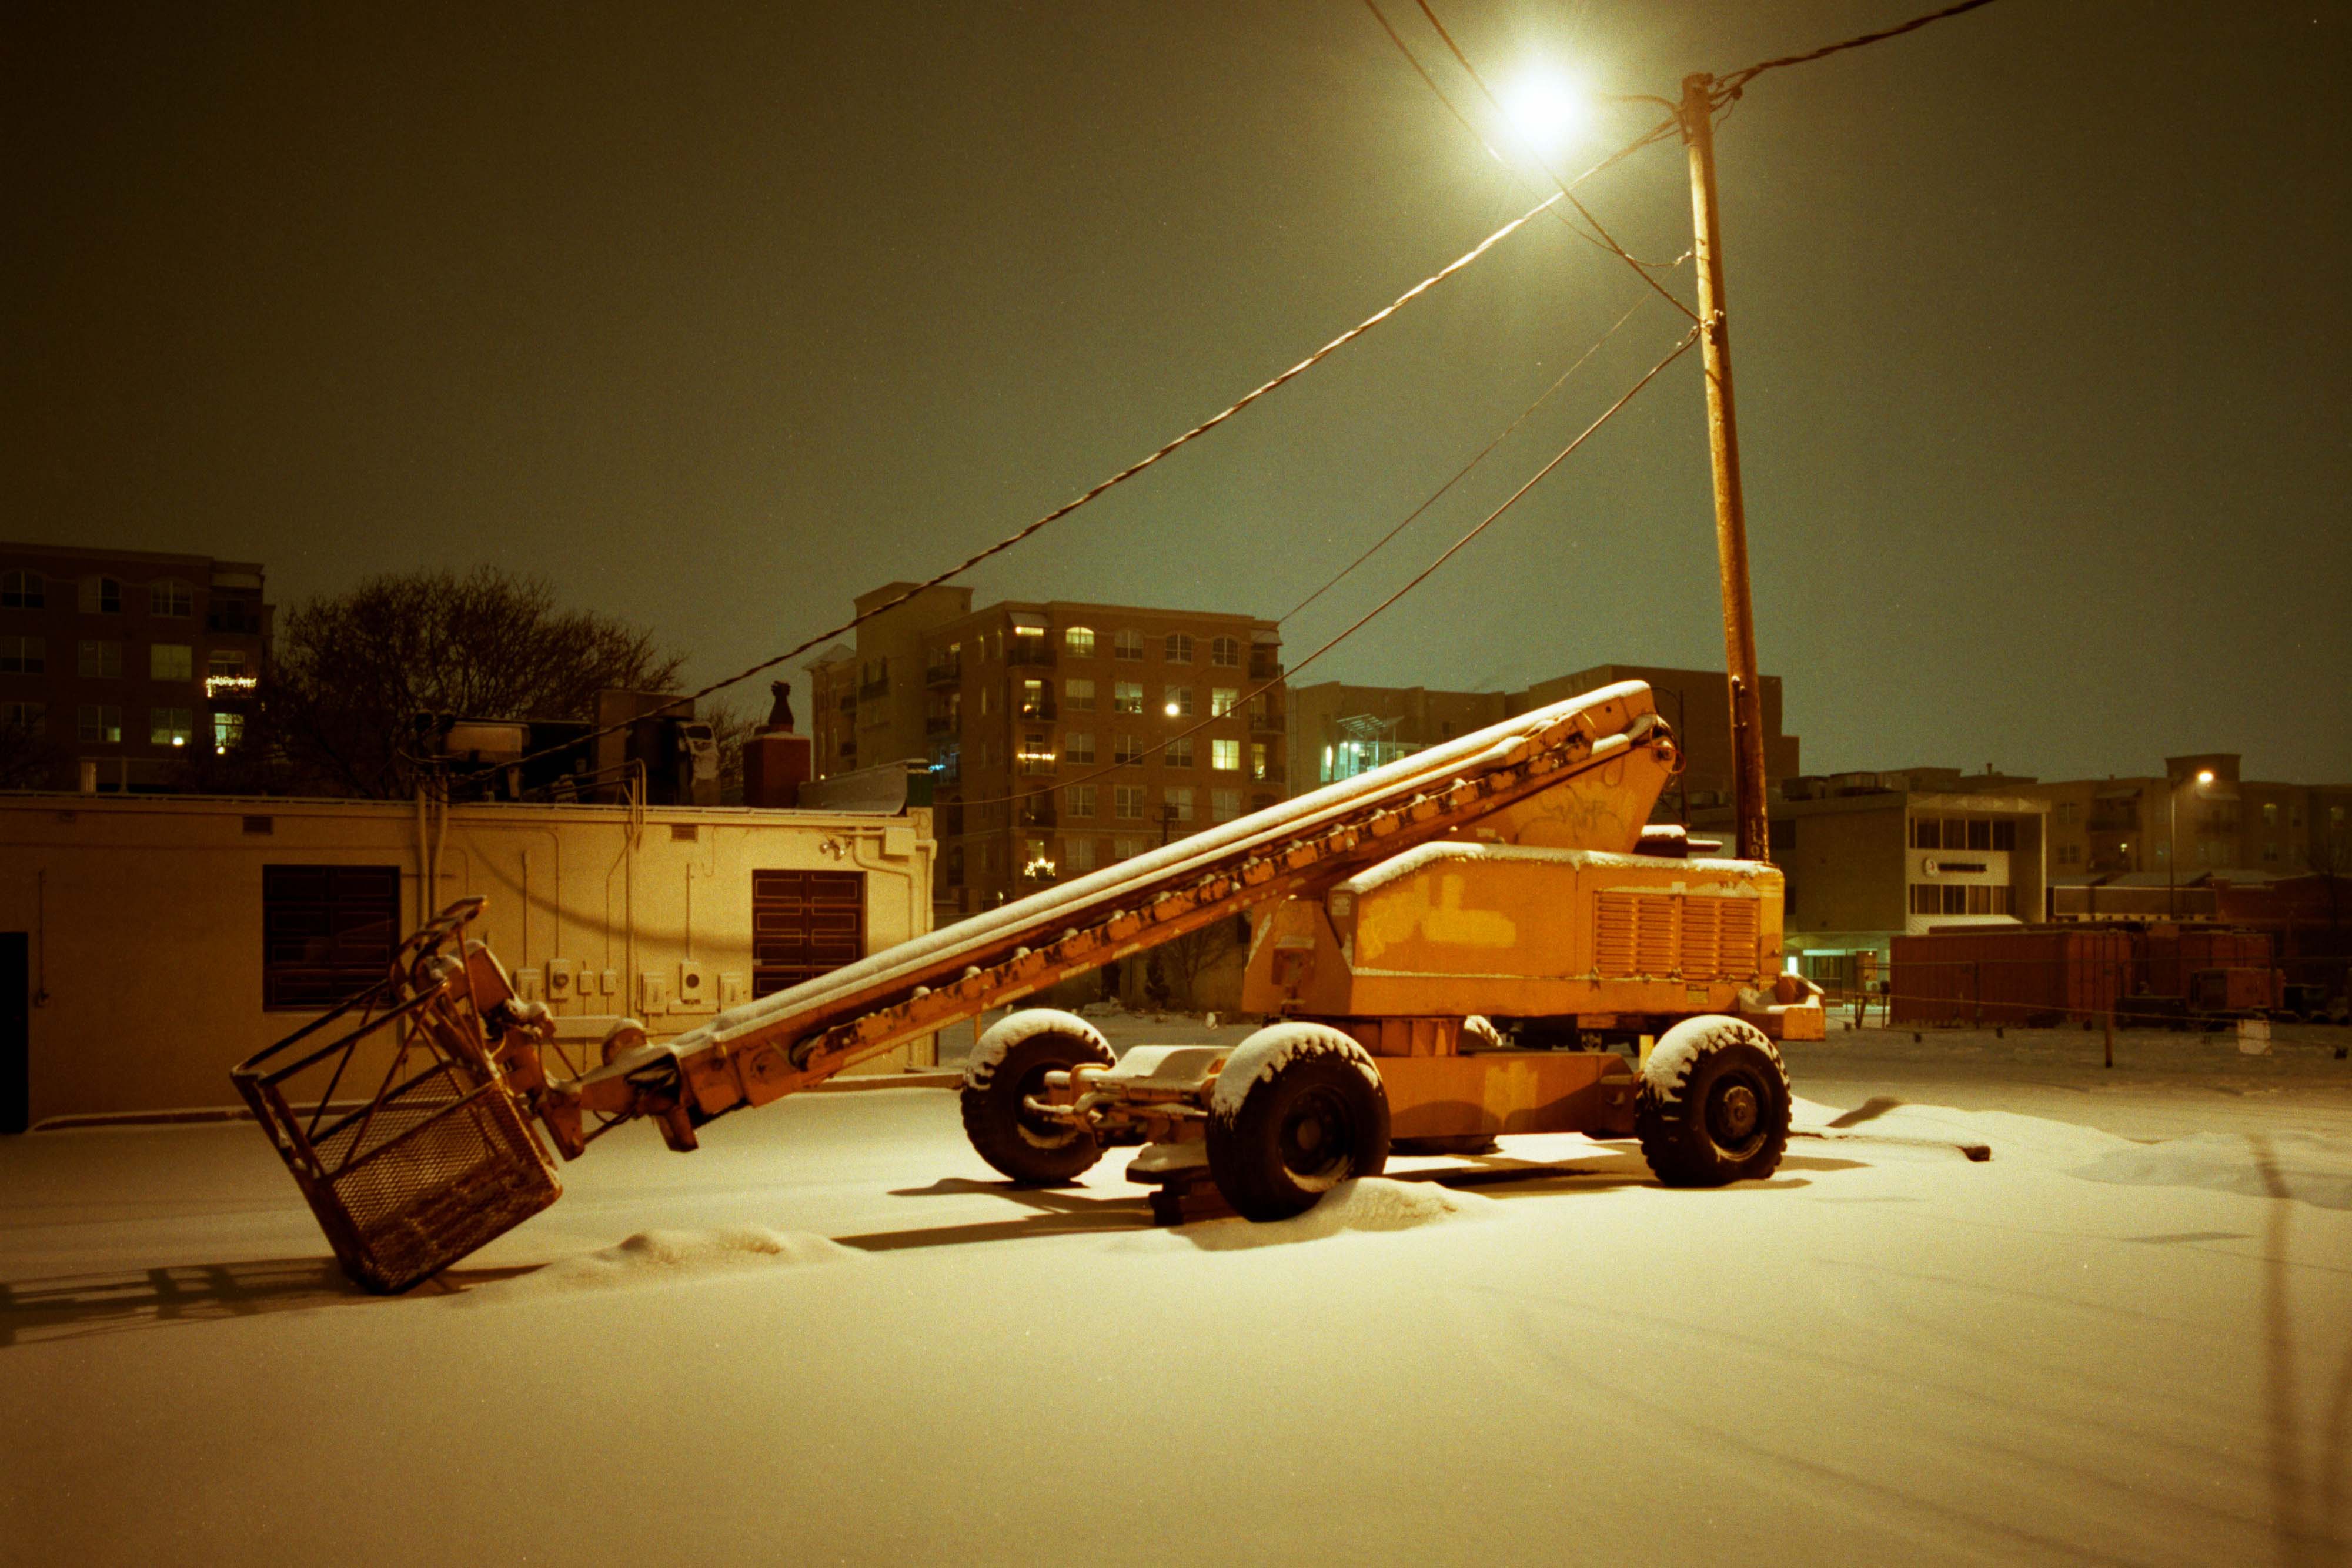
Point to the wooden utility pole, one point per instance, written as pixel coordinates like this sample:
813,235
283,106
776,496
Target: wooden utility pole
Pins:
1753,823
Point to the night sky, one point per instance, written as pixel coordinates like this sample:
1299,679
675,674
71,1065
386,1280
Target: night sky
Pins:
718,316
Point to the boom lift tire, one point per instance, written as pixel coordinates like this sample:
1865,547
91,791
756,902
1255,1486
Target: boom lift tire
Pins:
1305,1112
1713,1104
1002,1075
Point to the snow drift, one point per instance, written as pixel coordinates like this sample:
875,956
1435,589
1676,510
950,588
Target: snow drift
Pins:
672,1257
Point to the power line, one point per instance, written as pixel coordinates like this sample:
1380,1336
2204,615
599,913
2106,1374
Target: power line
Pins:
1480,137
1462,472
1731,85
1625,256
1366,618
1064,510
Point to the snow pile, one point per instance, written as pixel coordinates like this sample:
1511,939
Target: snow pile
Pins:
1669,1067
2312,1167
1270,1049
671,1257
1368,1203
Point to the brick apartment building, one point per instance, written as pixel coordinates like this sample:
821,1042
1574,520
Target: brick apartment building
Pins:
2197,817
1338,731
1056,731
115,664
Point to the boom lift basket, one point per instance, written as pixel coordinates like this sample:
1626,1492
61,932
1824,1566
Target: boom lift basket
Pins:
425,1156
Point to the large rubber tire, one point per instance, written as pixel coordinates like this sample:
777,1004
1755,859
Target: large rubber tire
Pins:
1310,1113
1034,1153
1714,1104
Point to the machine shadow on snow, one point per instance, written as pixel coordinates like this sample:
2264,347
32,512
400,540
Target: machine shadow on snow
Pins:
79,1306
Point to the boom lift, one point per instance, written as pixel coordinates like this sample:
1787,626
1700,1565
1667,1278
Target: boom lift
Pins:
1407,921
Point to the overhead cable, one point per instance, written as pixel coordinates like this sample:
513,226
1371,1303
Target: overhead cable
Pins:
1730,85
1368,616
1064,510
1333,580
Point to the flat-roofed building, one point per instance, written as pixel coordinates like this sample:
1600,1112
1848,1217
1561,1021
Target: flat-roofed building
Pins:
116,664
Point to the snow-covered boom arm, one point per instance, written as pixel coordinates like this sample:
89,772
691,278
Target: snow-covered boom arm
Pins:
796,1038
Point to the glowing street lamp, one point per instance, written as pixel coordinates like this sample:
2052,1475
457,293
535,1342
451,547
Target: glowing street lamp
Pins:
2172,835
1550,108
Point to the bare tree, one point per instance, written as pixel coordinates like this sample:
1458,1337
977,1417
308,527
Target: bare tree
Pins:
29,759
339,706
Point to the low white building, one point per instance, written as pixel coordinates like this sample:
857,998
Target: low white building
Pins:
156,940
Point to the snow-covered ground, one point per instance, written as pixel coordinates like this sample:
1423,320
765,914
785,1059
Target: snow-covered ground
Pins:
833,1336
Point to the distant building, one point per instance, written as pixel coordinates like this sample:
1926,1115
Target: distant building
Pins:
2199,816
1019,706
1338,731
1872,856
117,662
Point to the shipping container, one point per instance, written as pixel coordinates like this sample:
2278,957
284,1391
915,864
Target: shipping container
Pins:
2009,977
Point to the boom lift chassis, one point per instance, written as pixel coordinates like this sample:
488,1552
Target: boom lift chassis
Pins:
1386,906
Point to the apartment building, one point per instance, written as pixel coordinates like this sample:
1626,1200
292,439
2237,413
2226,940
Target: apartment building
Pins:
2198,817
1063,736
115,664
1337,730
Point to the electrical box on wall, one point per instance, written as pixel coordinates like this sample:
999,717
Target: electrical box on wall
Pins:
696,986
529,984
653,993
559,980
611,986
730,990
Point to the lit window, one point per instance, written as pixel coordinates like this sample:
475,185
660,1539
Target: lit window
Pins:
1226,756
1126,748
1036,754
1257,759
170,662
1225,805
228,728
98,661
169,598
1225,652
1179,648
170,726
1127,802
1035,703
1179,804
1126,645
23,655
1176,702
1127,697
100,596
22,590
1078,641
1079,800
1078,746
1179,752
1079,694
99,724
2270,814
1222,699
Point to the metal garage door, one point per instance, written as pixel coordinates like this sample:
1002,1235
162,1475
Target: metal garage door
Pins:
805,923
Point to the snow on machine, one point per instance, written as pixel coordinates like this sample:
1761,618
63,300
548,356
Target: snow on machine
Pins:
1449,947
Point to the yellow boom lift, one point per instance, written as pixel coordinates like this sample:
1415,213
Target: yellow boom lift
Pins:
1408,923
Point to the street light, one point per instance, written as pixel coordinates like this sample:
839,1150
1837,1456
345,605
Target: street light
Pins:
2172,835
1548,107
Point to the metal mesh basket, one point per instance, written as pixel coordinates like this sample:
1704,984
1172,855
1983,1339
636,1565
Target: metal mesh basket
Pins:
433,1161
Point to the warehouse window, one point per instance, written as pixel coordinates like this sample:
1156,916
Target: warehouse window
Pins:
327,933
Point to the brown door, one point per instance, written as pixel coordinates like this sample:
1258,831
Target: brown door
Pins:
804,923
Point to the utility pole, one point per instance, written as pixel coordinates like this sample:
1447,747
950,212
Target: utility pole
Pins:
1697,113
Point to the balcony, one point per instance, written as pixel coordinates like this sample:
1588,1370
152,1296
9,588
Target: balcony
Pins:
1264,669
1033,652
944,672
1039,811
880,688
2115,819
1265,721
1042,711
939,724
